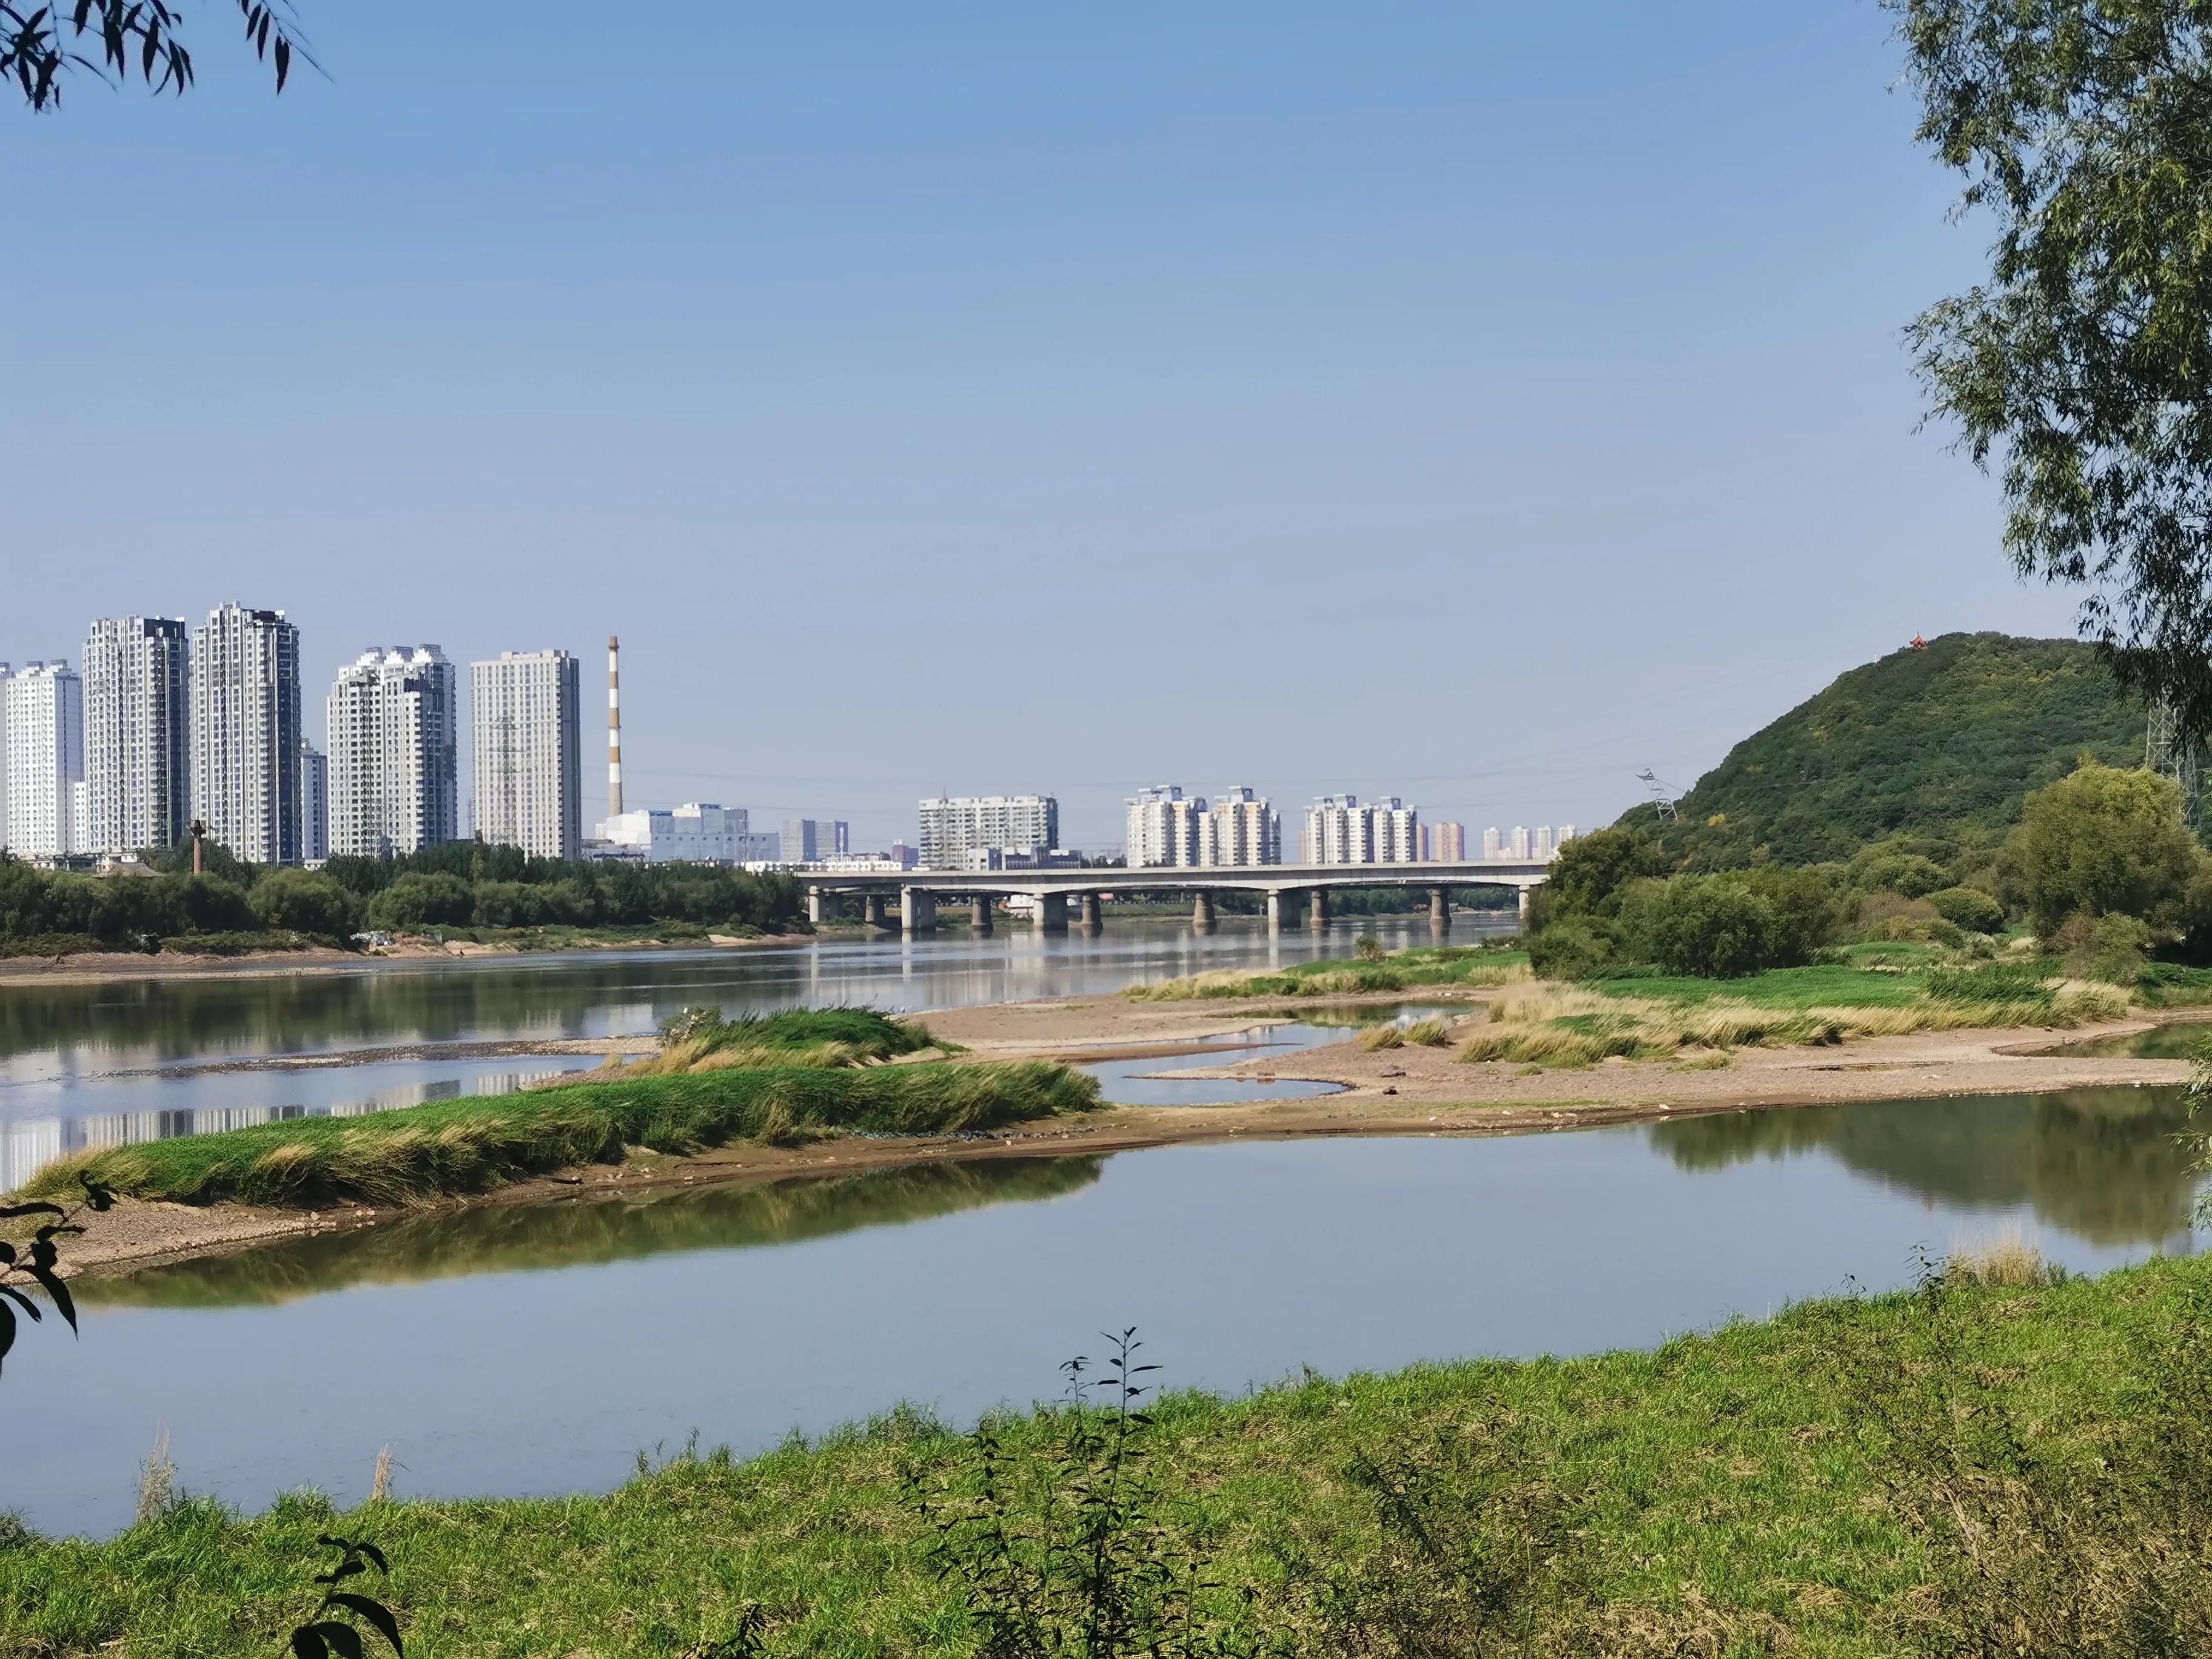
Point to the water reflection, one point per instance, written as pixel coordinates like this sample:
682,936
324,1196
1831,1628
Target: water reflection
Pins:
2103,1163
29,1143
514,1237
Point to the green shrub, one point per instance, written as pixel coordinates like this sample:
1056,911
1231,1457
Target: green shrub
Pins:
417,900
2105,840
1712,927
302,901
1908,874
1968,907
1570,949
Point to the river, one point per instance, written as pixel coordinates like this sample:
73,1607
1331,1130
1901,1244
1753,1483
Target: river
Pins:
131,1059
540,1349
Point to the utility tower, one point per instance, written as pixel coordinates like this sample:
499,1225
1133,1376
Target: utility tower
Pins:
2168,751
1662,797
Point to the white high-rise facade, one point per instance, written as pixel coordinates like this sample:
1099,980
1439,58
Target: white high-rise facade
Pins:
138,734
1241,827
954,827
1493,844
527,761
246,732
1341,830
45,759
1163,829
394,749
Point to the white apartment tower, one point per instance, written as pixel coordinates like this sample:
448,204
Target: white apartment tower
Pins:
953,827
1493,844
246,732
1241,827
395,741
46,759
528,767
1163,829
314,805
1339,830
138,734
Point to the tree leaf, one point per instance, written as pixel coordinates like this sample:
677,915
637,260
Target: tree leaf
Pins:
377,1614
306,1643
344,1639
59,1292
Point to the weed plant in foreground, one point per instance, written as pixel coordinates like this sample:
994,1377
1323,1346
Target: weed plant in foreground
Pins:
474,1144
1958,1469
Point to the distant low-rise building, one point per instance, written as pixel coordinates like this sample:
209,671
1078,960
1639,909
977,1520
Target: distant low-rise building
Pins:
698,832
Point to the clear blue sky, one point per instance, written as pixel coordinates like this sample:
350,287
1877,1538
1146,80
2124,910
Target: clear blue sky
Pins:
1475,401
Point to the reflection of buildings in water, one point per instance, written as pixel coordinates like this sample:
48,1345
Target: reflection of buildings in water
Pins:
28,1146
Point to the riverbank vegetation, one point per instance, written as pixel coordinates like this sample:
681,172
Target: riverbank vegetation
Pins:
791,1089
1998,1458
1398,971
461,890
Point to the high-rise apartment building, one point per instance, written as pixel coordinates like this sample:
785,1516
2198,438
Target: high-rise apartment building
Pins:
1163,829
314,805
1541,846
1493,844
5,672
954,827
1241,827
246,732
527,756
45,759
1450,843
1341,830
395,730
1517,845
138,734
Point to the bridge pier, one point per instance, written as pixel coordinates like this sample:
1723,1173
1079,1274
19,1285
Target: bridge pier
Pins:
1440,909
1202,914
872,911
979,913
917,911
1278,903
1052,912
821,905
1524,909
1094,915
1317,909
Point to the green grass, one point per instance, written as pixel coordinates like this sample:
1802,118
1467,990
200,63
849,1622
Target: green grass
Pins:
471,1146
1400,971
1793,989
1778,1487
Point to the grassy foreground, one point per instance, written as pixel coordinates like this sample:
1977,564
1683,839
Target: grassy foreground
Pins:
473,1144
1918,1473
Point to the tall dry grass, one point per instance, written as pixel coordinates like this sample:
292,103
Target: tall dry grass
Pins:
1556,1024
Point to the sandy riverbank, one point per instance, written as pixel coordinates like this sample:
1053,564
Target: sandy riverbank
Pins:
1396,1092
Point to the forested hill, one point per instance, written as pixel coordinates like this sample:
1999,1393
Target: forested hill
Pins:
1942,741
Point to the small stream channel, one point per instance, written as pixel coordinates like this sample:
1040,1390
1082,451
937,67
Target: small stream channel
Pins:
1155,1081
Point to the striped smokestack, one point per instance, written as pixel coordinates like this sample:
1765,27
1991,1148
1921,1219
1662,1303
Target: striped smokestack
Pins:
614,726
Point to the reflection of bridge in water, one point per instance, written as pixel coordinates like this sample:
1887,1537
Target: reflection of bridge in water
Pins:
1288,889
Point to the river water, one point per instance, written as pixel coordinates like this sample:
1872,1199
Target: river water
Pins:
538,1349
138,1060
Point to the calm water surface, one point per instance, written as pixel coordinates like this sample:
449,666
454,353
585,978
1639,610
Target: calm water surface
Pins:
129,1059
538,1349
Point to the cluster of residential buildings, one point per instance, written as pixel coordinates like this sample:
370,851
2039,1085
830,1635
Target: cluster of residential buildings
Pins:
1168,830
166,723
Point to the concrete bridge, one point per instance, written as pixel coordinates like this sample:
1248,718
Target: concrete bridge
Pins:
1288,888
